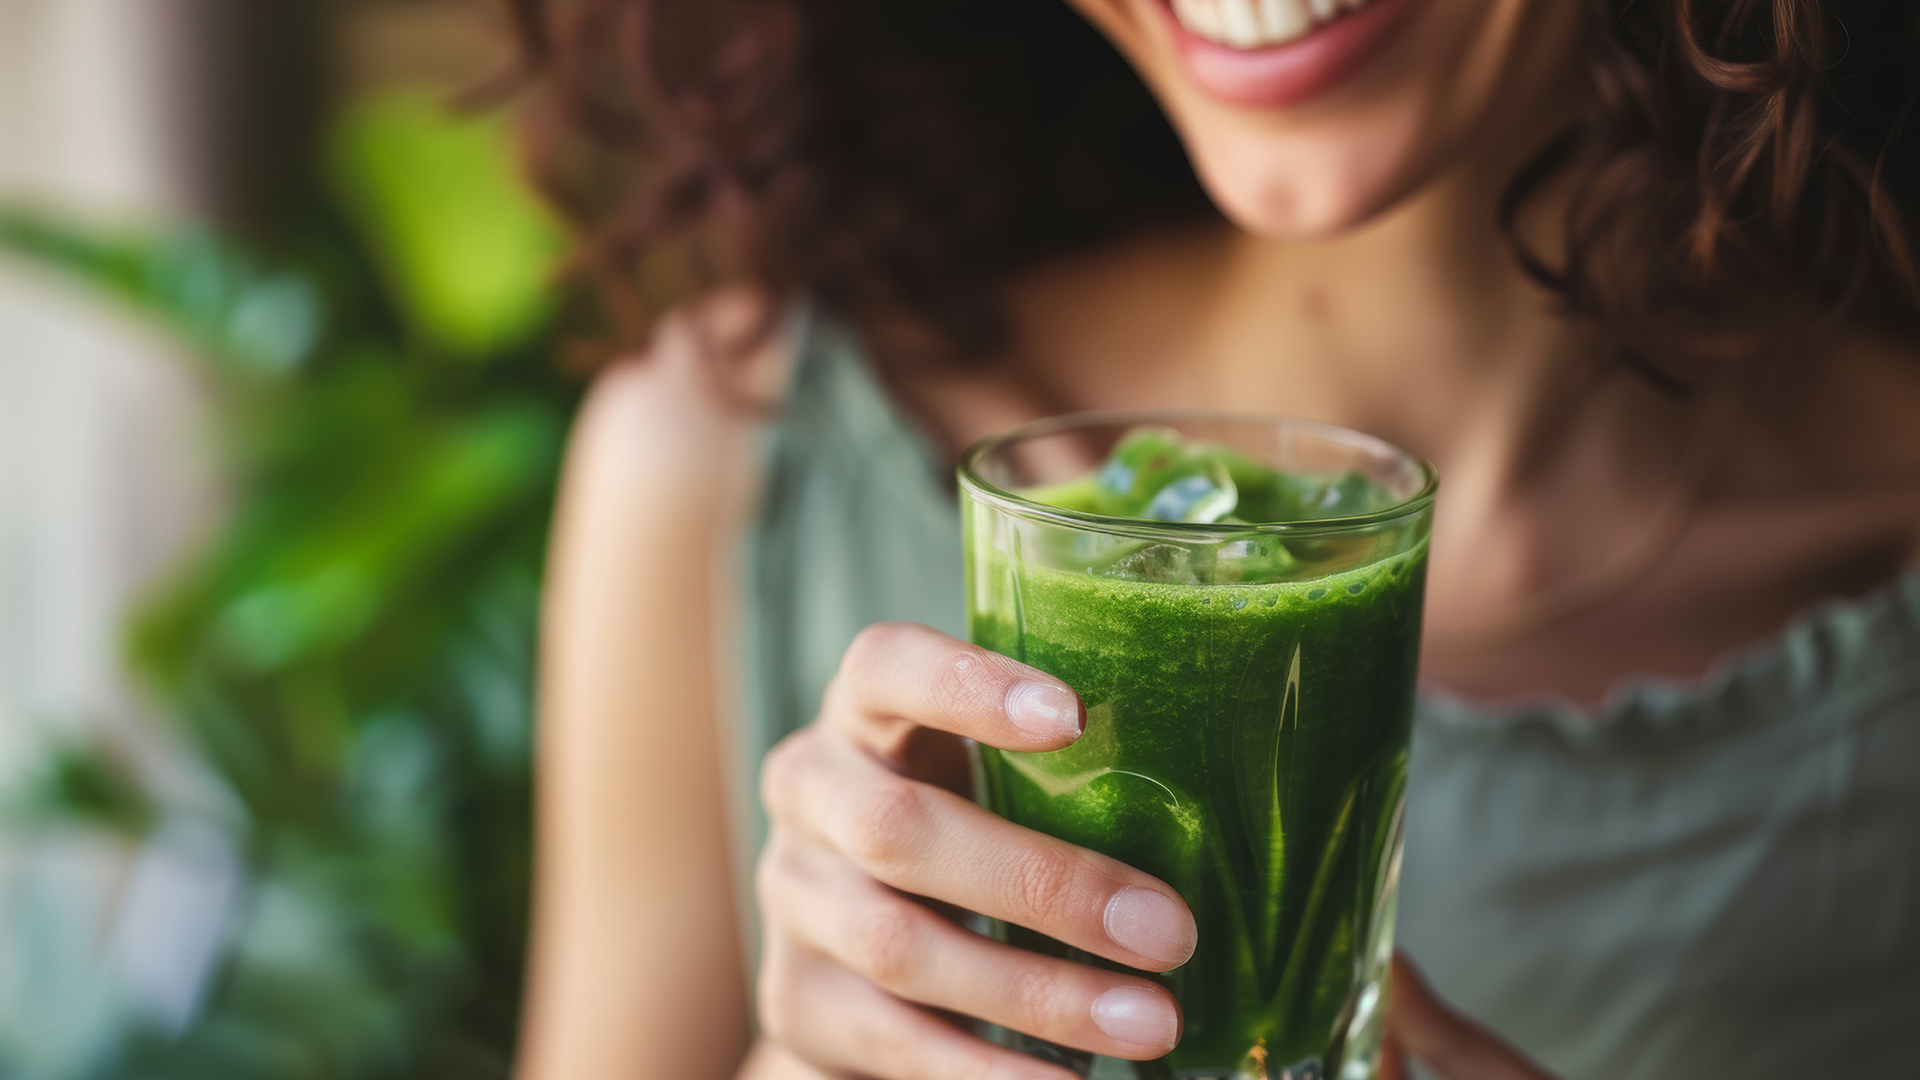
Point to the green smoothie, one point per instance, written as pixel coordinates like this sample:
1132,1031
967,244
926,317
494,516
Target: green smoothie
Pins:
1246,743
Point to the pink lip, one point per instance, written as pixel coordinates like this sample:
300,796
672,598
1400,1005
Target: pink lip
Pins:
1298,71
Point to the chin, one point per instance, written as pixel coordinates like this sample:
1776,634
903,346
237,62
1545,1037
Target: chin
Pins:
1304,185
1309,118
1280,190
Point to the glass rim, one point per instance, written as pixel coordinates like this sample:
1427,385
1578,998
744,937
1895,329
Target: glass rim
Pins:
978,487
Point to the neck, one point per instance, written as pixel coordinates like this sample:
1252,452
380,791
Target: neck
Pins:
1427,299
1419,327
1428,295
1425,295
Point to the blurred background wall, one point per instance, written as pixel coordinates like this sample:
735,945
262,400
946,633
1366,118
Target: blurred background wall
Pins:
278,430
105,482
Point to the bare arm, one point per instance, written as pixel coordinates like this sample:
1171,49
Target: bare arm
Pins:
635,967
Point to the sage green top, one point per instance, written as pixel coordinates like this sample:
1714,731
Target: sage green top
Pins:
1711,878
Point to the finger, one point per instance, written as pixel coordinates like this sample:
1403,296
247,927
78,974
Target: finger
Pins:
929,842
845,1026
896,675
1449,1043
916,954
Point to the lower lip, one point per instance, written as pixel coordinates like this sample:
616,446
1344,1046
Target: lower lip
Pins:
1300,70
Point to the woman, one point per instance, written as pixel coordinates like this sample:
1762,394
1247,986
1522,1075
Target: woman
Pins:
1635,276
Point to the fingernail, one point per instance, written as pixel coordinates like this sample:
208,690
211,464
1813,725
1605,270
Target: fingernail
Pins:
1151,925
1136,1016
1044,710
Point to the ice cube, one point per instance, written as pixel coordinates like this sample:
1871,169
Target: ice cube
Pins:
1258,560
1153,474
1136,469
1168,564
1346,495
1204,496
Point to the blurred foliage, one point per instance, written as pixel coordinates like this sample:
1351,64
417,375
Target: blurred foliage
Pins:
466,247
78,784
353,657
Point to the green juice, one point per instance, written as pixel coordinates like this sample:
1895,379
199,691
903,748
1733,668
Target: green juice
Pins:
1246,743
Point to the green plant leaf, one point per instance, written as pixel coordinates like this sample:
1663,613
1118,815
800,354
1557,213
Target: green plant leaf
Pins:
252,318
466,249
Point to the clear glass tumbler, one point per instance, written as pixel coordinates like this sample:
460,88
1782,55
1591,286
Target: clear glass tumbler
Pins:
1249,692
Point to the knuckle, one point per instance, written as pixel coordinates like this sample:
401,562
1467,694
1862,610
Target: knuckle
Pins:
886,825
774,1020
1037,998
837,698
894,1048
780,770
1041,880
869,649
777,995
885,943
773,877
960,687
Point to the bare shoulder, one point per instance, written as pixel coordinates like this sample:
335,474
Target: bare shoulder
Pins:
680,416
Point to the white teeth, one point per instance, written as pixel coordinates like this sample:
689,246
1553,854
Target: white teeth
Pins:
1237,19
1284,20
1200,17
1254,24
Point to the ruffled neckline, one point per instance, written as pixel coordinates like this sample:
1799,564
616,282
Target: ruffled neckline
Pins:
1841,651
1848,651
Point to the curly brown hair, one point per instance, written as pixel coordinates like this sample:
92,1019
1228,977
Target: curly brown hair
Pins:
1744,170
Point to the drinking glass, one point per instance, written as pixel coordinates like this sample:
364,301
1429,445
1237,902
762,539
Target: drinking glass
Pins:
1249,692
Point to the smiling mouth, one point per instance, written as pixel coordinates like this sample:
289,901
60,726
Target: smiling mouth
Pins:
1259,24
